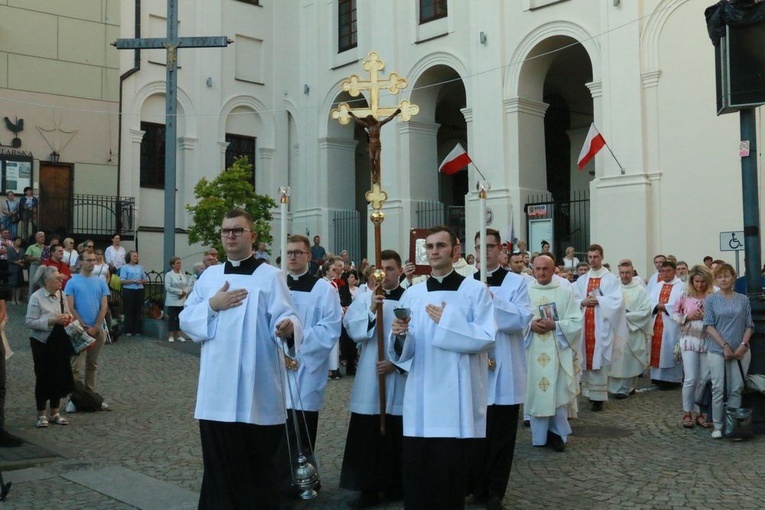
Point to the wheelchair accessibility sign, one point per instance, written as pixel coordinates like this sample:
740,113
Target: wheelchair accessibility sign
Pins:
732,241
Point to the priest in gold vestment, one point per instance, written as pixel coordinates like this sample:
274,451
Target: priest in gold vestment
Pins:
550,344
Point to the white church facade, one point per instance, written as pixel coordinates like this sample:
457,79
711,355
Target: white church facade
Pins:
518,83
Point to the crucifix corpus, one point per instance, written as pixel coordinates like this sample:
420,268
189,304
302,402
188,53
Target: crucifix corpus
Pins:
171,44
369,118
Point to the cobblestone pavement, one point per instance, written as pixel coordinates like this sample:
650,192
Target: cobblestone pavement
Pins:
633,455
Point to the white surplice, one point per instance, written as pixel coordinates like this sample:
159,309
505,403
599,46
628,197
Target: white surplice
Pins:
365,394
445,393
239,374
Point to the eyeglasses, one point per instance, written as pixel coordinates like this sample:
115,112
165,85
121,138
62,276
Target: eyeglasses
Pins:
488,247
236,232
296,253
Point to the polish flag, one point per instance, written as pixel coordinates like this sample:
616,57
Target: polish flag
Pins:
592,145
455,161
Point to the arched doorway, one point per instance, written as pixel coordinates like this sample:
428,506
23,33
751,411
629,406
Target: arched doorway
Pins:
557,71
440,125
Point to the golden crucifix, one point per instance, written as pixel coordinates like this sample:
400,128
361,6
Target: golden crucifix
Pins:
369,118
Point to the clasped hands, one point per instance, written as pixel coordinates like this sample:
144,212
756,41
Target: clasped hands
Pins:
542,326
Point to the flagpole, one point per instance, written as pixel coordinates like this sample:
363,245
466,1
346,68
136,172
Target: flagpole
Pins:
614,156
482,232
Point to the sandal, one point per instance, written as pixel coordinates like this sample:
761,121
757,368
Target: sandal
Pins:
59,420
701,421
42,422
687,421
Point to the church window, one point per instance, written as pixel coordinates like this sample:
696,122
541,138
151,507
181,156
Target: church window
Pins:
346,25
432,10
153,155
238,146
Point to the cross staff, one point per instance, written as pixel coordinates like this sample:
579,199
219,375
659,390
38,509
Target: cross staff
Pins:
171,44
369,118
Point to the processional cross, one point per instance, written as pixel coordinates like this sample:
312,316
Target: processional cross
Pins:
368,117
171,44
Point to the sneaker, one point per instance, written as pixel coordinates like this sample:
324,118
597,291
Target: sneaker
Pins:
717,434
70,408
181,339
105,406
171,339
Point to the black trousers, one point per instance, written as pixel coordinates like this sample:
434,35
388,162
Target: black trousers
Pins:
45,390
372,462
434,470
491,458
238,458
132,306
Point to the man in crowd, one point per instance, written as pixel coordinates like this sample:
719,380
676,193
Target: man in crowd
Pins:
372,461
57,260
240,311
630,358
451,327
658,260
602,305
262,253
516,263
492,456
460,264
551,345
87,296
682,271
33,256
318,255
318,308
665,371
209,260
115,255
581,269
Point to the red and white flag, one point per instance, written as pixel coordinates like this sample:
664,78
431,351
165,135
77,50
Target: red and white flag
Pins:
592,145
455,161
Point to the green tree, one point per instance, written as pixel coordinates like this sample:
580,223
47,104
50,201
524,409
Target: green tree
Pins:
215,198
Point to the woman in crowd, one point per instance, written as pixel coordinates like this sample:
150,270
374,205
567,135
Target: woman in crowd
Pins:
470,259
689,313
70,254
16,269
10,212
728,321
177,287
53,373
101,269
351,278
569,260
133,278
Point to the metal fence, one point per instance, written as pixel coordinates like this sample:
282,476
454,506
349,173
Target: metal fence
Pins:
429,213
346,226
571,219
89,215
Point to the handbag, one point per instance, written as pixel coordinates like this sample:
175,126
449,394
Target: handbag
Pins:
738,421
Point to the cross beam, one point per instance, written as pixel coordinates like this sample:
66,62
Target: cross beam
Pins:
171,44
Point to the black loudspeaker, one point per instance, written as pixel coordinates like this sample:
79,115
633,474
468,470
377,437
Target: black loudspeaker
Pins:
740,68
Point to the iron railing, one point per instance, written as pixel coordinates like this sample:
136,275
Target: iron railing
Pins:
571,219
429,213
89,215
346,225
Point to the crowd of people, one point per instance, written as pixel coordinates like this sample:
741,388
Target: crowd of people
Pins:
448,372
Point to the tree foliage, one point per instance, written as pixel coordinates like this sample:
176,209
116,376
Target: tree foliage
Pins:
215,198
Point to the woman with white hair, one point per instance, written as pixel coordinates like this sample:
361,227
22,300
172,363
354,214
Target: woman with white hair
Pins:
47,309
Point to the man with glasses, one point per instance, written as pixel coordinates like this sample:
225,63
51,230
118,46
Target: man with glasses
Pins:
240,311
87,296
451,328
318,307
492,456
